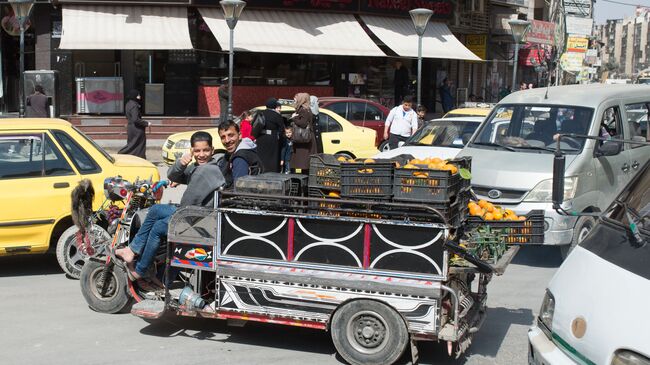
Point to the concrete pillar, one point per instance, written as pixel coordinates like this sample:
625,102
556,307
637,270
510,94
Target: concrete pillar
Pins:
41,19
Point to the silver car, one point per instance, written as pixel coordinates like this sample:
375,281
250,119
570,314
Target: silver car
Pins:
512,152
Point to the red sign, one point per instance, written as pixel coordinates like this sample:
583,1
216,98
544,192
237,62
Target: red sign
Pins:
532,57
541,32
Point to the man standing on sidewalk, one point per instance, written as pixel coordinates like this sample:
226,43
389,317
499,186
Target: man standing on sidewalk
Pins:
402,122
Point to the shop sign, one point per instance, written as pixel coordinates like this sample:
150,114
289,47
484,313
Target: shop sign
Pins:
581,8
579,26
477,43
532,57
572,61
520,3
541,32
442,9
577,44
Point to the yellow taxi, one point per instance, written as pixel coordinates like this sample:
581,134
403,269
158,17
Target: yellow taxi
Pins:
339,136
41,161
471,110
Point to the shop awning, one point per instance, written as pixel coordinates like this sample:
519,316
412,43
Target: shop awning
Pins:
399,35
293,32
125,27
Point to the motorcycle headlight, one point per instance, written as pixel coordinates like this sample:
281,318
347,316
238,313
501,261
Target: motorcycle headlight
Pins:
547,310
625,357
543,192
183,144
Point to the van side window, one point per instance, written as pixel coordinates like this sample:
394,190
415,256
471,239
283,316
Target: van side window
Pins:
637,122
611,123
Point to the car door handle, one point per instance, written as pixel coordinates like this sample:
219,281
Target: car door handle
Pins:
635,165
625,167
61,185
336,141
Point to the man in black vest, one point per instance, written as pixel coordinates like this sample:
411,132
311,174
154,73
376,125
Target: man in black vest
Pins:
241,154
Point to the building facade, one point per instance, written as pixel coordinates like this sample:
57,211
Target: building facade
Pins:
627,49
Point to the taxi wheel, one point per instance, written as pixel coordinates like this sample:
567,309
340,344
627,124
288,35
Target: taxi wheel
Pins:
69,256
383,146
369,332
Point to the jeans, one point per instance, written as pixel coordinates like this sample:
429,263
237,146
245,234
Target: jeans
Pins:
394,140
147,241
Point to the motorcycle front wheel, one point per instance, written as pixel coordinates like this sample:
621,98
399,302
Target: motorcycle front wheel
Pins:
104,292
70,257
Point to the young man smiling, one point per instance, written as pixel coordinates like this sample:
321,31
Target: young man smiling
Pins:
241,154
201,170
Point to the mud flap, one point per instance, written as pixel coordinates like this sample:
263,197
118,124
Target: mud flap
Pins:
415,355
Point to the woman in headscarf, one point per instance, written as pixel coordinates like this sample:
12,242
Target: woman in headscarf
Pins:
136,140
303,118
313,105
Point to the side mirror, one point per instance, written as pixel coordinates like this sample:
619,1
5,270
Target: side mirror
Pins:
609,149
557,195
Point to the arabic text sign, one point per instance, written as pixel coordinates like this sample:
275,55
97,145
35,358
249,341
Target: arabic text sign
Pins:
577,44
541,32
578,26
571,61
578,7
477,43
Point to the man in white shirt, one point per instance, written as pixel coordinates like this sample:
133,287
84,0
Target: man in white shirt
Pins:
402,122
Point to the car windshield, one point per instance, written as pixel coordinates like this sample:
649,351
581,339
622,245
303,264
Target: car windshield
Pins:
92,142
520,127
444,134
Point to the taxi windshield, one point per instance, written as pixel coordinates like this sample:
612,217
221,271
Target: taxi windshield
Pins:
440,133
536,127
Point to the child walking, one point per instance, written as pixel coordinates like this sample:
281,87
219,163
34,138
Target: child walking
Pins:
287,150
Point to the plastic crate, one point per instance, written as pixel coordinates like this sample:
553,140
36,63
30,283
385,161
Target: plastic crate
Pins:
530,230
425,185
463,163
323,208
324,172
372,180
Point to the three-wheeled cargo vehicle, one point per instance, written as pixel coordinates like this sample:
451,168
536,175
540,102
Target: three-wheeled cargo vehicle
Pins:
377,274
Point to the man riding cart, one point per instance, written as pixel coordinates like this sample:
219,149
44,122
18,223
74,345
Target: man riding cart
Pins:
355,257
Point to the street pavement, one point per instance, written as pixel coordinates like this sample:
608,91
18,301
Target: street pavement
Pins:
44,319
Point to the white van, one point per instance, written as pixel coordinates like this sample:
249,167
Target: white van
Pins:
512,152
595,310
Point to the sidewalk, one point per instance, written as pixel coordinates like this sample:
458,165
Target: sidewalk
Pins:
154,148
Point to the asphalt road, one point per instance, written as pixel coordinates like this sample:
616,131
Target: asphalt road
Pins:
44,319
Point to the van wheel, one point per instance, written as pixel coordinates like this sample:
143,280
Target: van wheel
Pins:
383,146
369,332
584,225
70,258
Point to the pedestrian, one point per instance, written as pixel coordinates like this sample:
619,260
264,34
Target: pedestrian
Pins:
400,81
402,122
223,100
302,118
422,113
37,104
246,126
446,97
523,86
313,105
136,140
287,151
268,130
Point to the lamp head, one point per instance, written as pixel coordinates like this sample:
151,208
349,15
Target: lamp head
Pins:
232,11
22,8
519,28
420,18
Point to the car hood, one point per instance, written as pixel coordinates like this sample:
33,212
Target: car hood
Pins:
130,161
511,170
421,152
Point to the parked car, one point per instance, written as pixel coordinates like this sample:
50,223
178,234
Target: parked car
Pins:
471,110
512,152
595,307
338,135
443,138
41,161
360,112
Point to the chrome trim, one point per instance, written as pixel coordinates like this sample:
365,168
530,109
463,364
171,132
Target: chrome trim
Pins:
27,223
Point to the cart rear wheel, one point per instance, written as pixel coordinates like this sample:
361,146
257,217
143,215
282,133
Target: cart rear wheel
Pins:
104,294
369,332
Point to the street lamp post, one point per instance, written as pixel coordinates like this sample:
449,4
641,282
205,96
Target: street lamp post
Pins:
21,9
519,28
232,11
420,18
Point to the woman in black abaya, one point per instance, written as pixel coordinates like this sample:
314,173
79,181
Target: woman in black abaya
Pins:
136,141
